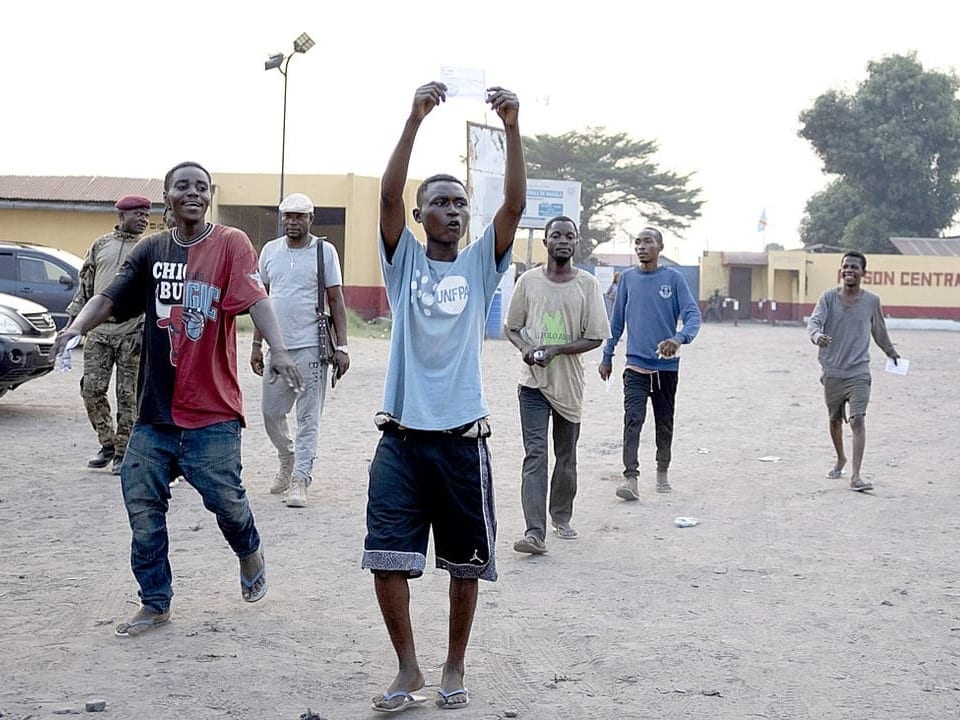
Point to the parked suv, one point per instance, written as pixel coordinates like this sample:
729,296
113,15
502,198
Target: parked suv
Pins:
45,275
27,332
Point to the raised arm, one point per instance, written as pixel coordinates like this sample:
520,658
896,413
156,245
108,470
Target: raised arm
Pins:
392,212
507,219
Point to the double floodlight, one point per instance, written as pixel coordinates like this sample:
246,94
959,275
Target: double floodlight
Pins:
300,45
303,43
273,61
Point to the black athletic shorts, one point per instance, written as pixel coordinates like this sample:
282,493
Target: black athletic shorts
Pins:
423,480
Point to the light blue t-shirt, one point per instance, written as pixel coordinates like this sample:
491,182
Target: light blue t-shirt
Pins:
439,309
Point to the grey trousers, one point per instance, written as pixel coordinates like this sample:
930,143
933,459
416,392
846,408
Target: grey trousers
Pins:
278,399
535,414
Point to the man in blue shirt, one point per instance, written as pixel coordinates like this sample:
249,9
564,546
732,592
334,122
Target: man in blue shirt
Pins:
431,469
650,302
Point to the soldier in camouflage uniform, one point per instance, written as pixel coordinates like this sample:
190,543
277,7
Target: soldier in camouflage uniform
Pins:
112,343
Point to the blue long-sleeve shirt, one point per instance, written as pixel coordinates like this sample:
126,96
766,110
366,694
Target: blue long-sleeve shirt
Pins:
649,306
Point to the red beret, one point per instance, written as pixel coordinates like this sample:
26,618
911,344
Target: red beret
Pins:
132,202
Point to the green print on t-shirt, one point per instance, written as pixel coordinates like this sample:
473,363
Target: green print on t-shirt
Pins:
554,331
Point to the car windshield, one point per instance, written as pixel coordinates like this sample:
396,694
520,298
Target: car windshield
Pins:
67,257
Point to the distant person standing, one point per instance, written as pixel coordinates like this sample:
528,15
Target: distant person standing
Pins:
841,325
289,270
113,345
610,296
556,314
651,301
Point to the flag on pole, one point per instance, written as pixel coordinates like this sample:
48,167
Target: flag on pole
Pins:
762,222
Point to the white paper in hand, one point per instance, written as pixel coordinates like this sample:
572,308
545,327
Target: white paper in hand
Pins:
900,368
463,82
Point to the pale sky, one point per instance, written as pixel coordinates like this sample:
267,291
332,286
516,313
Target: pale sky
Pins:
106,87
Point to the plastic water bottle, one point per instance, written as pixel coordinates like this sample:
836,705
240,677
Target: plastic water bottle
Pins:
62,362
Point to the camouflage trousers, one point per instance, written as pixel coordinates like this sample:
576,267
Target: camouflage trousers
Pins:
101,353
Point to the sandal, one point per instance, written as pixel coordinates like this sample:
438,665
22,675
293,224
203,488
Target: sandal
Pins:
256,587
860,485
145,619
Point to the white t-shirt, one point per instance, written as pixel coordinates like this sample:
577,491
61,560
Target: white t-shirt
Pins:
291,275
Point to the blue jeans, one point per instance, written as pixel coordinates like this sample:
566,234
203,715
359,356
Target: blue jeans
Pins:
535,414
209,459
661,388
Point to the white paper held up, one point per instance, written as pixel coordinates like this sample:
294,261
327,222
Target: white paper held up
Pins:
463,82
899,368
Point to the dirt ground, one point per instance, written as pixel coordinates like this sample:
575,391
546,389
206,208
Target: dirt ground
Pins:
793,597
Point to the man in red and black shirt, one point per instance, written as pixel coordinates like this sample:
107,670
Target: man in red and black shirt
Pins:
190,282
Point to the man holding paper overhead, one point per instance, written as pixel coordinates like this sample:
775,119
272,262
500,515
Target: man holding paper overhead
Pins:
841,326
432,469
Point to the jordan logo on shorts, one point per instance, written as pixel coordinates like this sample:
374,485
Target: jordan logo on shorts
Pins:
476,557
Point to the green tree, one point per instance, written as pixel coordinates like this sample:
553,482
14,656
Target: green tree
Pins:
828,212
895,145
615,173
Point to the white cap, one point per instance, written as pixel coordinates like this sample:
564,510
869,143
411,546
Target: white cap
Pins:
296,203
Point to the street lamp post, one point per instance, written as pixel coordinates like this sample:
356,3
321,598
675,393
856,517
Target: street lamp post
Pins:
281,62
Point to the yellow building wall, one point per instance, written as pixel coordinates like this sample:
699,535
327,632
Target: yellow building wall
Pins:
910,286
901,281
713,275
358,195
70,230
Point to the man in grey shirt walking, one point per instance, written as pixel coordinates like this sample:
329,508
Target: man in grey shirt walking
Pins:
841,326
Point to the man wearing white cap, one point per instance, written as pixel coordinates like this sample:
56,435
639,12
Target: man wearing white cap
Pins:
289,269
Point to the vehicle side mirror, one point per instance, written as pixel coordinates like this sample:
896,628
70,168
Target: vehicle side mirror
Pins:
66,280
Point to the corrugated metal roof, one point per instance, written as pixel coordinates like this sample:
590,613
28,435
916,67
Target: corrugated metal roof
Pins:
90,189
942,247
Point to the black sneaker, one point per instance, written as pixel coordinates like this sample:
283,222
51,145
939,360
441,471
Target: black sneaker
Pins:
102,458
115,465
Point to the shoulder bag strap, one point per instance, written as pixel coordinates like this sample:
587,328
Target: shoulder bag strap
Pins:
321,277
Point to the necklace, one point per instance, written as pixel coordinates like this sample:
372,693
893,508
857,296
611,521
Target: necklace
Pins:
293,252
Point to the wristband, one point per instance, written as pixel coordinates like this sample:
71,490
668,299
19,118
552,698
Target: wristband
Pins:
345,349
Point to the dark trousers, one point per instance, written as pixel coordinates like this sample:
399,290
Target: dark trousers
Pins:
661,388
535,414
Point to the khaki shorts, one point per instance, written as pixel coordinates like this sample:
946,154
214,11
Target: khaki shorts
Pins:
837,392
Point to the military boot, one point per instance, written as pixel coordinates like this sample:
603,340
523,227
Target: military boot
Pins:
102,458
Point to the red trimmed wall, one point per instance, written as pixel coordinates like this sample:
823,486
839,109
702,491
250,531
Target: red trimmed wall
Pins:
369,302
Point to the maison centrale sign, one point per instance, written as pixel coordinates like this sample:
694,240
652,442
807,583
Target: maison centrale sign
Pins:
909,278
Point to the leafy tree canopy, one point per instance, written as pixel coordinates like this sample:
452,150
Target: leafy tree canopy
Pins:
828,212
615,173
895,145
